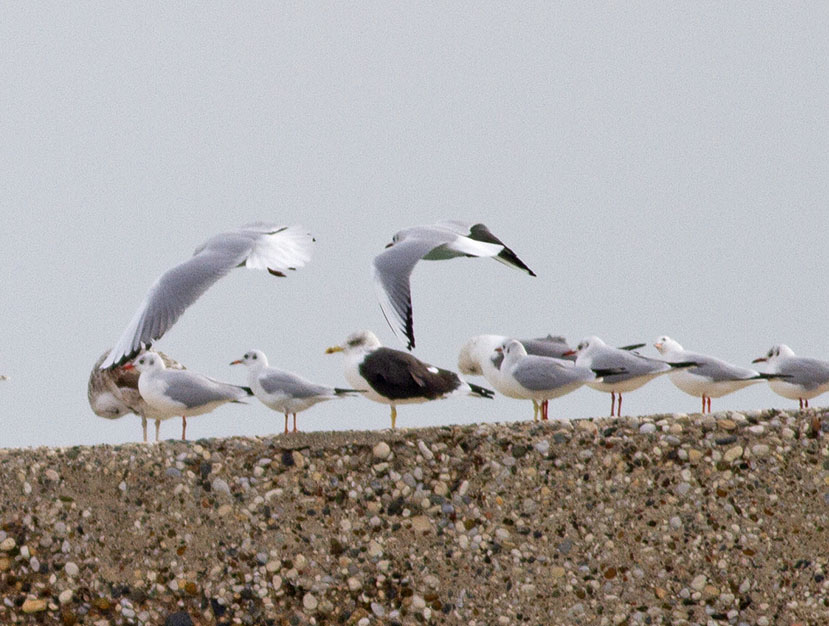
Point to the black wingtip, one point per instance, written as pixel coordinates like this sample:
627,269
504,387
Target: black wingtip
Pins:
247,390
343,392
483,392
681,364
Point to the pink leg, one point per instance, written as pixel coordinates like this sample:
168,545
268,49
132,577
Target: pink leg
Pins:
619,409
183,428
612,402
286,423
294,422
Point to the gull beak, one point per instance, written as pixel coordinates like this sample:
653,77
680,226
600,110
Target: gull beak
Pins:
658,345
760,359
128,366
499,350
236,362
570,353
389,245
333,349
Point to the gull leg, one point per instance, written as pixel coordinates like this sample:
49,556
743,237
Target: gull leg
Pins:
806,402
393,416
295,422
703,403
619,408
286,423
144,427
544,410
709,404
612,402
183,427
157,429
535,411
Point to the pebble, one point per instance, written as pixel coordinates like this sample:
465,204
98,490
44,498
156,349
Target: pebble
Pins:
71,569
421,524
7,544
381,450
34,605
699,582
424,450
219,485
647,428
65,596
759,450
732,454
309,601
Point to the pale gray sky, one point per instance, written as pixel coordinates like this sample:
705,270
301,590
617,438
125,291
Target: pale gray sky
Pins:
661,166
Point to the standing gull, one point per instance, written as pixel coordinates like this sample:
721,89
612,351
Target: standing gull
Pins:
710,377
112,393
170,393
256,246
444,240
806,378
541,378
479,358
396,377
594,353
283,391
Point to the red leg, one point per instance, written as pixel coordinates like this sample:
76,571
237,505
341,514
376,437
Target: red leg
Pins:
286,423
294,422
183,428
619,408
806,402
612,403
544,410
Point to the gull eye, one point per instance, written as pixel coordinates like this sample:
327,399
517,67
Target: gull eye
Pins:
254,357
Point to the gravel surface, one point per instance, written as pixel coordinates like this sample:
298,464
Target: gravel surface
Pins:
671,519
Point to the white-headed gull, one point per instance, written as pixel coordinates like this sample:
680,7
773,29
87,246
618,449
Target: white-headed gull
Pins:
112,393
478,357
395,377
541,378
594,353
806,378
170,393
283,391
444,240
710,377
270,247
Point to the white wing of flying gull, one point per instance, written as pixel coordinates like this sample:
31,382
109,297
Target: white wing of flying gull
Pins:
446,240
256,246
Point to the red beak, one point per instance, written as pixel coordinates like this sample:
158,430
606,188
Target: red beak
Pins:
128,366
759,359
569,353
236,362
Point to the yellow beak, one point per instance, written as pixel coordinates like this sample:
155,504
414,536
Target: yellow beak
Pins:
333,349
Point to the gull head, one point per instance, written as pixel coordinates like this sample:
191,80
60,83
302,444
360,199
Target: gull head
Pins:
253,358
361,341
147,362
665,344
775,352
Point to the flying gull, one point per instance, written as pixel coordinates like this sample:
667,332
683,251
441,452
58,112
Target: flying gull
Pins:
396,377
170,393
594,353
283,391
541,378
806,378
444,240
710,377
112,393
256,246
